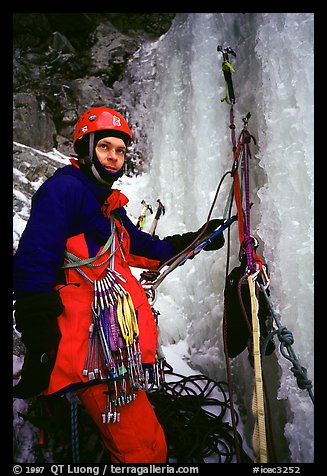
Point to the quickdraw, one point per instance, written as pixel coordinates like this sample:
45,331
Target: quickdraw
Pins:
113,355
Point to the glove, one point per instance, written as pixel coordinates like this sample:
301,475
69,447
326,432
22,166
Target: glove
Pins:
36,318
180,242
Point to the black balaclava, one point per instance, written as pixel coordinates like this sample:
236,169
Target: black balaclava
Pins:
85,149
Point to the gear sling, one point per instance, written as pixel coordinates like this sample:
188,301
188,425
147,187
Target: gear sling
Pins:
101,345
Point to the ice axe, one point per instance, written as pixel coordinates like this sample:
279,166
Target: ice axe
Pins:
227,70
141,218
160,211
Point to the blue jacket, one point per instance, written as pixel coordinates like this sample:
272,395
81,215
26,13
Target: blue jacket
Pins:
67,204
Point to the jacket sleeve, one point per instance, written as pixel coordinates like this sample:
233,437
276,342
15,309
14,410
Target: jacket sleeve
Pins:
145,251
38,259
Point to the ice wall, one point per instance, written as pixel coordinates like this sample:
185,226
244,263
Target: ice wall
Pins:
177,86
286,225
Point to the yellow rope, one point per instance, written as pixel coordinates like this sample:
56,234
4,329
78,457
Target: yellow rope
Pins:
258,409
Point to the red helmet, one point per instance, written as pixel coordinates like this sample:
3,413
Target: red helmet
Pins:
99,119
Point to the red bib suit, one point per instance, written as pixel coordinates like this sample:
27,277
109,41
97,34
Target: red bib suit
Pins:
138,437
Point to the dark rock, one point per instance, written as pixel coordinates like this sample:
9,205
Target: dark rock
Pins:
63,64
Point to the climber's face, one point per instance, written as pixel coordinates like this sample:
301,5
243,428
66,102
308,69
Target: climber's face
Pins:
110,152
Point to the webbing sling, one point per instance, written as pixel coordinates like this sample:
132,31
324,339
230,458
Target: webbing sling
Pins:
75,262
258,409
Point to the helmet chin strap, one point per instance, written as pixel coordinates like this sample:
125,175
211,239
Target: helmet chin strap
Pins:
98,176
91,147
90,162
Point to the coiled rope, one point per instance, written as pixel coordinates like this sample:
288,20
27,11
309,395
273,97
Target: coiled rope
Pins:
193,411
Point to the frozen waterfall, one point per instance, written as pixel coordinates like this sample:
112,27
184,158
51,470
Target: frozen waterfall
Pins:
177,85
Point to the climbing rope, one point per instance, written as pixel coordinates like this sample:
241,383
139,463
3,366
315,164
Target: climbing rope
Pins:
241,155
195,434
255,267
253,262
286,341
73,400
192,411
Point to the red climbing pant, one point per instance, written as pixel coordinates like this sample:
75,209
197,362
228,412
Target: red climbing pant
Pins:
137,438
